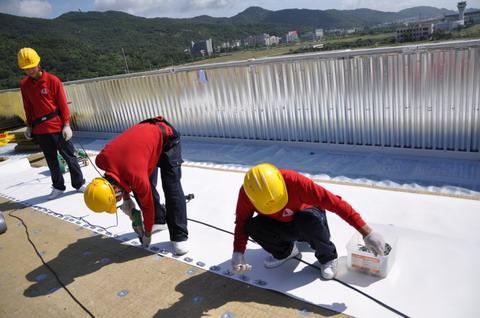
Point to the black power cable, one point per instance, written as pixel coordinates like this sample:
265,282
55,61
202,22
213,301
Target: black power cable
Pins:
311,265
49,268
190,196
94,166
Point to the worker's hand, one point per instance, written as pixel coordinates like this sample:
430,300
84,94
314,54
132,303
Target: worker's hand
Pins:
127,207
67,132
145,240
28,133
239,264
375,242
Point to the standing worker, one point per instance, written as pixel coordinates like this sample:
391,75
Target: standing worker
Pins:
130,163
291,207
48,120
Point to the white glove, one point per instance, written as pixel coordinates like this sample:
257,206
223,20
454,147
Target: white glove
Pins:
28,133
145,240
239,264
127,207
375,242
67,132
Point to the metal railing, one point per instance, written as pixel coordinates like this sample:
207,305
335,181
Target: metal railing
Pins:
418,97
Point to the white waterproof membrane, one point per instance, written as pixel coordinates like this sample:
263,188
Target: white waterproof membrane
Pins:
434,273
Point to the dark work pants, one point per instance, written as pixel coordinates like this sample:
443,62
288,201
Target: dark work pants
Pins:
308,225
176,207
50,143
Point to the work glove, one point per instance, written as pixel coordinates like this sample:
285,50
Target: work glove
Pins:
127,207
146,240
28,133
375,242
67,132
239,264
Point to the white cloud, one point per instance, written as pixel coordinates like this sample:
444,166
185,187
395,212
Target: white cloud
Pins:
395,6
164,8
208,4
27,8
132,6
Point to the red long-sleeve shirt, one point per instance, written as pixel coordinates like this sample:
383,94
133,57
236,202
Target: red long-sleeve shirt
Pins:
302,193
130,159
44,96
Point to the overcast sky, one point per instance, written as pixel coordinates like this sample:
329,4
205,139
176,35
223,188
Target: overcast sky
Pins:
216,8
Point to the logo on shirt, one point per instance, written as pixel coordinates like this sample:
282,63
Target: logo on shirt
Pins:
287,212
44,91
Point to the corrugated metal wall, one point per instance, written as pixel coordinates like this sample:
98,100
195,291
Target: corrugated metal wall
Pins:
423,97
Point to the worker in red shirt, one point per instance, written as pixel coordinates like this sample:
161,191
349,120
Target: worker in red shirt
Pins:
130,162
48,120
291,207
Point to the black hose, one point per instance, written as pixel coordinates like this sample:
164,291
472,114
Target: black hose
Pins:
51,269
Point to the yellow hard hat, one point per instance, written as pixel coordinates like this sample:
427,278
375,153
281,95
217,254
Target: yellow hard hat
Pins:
27,58
99,196
266,189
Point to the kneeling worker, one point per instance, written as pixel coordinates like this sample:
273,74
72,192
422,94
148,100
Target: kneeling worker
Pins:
130,163
291,207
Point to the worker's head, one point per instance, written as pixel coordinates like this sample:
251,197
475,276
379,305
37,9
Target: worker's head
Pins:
266,189
28,60
101,195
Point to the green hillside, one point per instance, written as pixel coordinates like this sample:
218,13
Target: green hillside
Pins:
80,45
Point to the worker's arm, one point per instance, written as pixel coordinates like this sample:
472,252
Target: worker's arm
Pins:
61,101
244,212
143,192
365,230
27,107
316,195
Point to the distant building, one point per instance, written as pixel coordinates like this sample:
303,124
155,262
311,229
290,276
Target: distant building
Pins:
202,48
350,31
273,40
415,32
452,21
336,31
308,36
249,41
262,39
469,18
291,36
315,35
225,45
236,43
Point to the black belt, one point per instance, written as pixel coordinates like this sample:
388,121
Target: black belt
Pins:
44,118
164,134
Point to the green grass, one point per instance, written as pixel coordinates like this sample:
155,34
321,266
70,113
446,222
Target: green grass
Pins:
470,32
375,37
378,40
288,49
252,54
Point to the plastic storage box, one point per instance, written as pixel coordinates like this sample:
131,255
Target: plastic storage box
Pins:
361,259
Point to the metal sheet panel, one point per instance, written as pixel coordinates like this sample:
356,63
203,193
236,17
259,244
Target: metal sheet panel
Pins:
419,97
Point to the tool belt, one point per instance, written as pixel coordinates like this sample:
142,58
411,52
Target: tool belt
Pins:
44,118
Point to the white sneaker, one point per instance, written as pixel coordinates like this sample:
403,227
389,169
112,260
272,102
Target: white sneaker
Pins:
180,248
82,188
159,227
329,269
55,194
272,262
